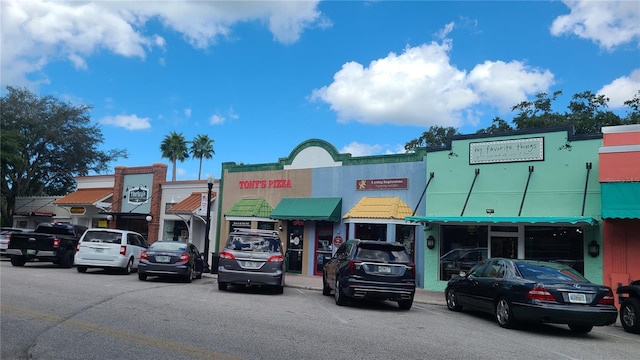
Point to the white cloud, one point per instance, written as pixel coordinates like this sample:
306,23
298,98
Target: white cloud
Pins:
187,112
216,119
129,122
621,89
607,23
421,87
359,149
37,32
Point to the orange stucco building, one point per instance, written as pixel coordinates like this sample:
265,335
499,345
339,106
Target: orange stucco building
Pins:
619,159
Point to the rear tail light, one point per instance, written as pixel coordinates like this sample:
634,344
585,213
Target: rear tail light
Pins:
607,299
276,258
412,268
352,266
56,243
540,293
184,258
143,256
78,247
227,255
123,250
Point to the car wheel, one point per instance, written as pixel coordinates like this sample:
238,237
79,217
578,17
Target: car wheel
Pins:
630,315
189,277
222,286
18,260
127,269
405,304
67,259
503,313
580,329
82,269
452,300
341,298
326,290
142,277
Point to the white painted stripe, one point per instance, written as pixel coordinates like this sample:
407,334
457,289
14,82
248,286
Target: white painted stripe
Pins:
619,149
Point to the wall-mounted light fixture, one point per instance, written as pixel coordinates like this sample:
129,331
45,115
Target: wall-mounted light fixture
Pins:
109,217
431,242
148,218
594,248
280,227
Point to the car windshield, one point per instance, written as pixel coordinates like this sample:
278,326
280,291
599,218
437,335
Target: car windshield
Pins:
168,246
544,273
253,243
374,252
103,237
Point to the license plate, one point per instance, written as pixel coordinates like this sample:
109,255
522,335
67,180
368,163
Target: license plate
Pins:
384,269
163,258
250,264
98,250
577,298
31,252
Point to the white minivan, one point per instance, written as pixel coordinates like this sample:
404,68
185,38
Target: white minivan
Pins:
109,249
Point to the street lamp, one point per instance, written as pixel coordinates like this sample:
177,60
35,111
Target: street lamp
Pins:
208,225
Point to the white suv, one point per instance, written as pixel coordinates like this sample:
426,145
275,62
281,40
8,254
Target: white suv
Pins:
109,249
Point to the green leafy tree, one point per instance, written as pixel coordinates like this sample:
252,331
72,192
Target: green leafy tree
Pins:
45,143
436,138
174,148
202,147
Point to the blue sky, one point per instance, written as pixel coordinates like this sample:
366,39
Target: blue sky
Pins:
260,77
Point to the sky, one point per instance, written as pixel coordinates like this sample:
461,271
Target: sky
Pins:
261,77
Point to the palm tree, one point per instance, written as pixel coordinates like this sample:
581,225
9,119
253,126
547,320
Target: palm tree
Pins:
174,147
202,147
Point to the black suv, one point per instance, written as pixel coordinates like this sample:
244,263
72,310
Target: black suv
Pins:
370,269
252,257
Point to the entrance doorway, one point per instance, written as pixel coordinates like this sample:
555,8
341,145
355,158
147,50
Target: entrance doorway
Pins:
295,242
324,239
504,246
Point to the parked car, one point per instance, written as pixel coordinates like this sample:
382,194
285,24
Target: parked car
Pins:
370,269
461,259
629,297
109,249
252,257
4,238
54,242
168,258
535,291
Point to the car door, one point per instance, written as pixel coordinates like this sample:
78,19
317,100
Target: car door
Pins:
135,242
331,267
197,259
466,287
489,284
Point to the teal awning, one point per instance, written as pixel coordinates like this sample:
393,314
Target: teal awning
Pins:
621,200
327,209
573,220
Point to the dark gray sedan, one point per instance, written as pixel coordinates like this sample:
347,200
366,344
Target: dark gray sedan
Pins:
171,259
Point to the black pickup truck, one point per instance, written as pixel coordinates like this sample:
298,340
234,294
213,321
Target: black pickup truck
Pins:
54,242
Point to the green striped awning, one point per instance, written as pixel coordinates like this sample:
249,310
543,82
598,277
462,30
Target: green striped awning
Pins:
319,209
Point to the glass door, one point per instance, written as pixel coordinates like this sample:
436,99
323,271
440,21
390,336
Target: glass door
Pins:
295,242
504,246
324,238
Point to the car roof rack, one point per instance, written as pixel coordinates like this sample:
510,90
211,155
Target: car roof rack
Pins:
243,231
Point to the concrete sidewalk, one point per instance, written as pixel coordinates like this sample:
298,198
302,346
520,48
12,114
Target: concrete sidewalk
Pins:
315,283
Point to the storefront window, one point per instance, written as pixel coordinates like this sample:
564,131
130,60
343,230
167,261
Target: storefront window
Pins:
461,248
371,232
266,225
405,234
557,244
